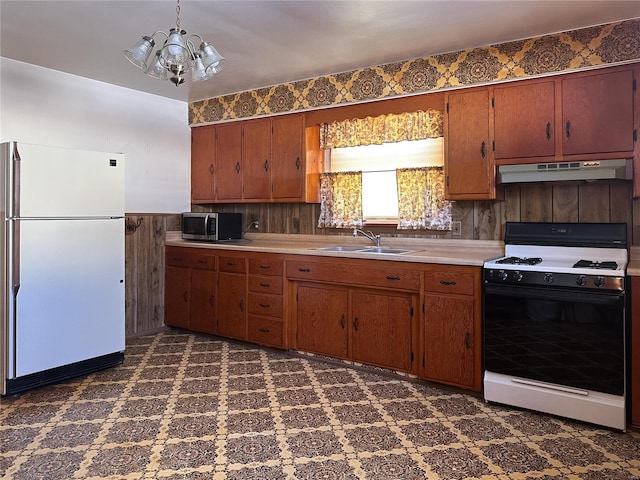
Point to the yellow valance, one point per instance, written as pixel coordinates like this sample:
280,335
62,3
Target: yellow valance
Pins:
383,129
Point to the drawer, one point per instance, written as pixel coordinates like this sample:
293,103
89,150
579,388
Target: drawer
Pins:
177,257
263,284
232,264
449,282
265,331
266,266
205,261
267,305
389,276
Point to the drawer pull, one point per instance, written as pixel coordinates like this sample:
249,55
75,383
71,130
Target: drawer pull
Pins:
445,282
264,305
304,269
265,285
232,264
264,330
202,261
391,277
265,267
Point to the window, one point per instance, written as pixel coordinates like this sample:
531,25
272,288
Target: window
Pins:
378,164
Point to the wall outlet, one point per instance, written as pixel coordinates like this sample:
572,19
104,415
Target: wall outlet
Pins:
456,229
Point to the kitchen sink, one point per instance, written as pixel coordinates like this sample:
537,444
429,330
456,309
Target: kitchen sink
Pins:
341,248
390,251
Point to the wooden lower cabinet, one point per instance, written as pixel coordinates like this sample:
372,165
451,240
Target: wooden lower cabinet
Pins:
452,327
190,289
635,352
322,320
382,329
232,309
352,309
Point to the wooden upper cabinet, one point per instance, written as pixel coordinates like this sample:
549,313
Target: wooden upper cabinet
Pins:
468,163
288,167
524,120
597,112
203,161
229,161
256,159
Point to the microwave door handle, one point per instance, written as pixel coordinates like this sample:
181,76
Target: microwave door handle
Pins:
206,226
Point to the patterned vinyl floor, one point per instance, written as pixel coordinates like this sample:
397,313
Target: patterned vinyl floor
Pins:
185,406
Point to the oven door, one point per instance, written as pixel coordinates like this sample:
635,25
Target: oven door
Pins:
560,336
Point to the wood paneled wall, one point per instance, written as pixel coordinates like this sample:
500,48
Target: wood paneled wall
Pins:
481,220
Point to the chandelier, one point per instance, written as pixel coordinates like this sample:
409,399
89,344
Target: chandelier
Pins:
177,56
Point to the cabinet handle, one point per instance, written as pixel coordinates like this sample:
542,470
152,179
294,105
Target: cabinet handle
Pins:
241,305
237,167
264,330
265,267
265,285
342,321
266,165
185,296
304,269
211,169
446,282
355,323
548,131
482,152
264,305
567,128
298,163
391,277
212,300
467,340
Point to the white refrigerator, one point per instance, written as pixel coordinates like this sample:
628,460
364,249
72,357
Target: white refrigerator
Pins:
62,258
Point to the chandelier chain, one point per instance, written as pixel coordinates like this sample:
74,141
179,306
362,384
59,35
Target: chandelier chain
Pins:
178,16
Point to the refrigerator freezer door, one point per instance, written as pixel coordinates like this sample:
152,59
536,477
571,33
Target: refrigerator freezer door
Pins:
70,303
58,182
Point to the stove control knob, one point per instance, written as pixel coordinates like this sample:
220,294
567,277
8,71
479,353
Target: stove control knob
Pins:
518,276
581,281
598,282
502,275
548,278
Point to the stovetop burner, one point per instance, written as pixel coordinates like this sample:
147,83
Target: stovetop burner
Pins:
596,264
520,260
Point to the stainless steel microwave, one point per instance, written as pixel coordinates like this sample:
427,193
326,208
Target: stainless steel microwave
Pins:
211,227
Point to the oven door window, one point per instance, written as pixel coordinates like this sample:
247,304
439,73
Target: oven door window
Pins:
569,338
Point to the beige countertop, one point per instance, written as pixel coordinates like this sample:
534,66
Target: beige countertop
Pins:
442,251
633,268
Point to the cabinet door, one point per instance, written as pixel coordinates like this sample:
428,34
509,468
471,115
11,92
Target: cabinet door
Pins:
232,294
229,161
524,120
449,339
381,330
597,113
256,159
177,289
203,300
203,153
287,174
467,147
322,320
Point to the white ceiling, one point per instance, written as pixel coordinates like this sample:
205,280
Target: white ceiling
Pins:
272,42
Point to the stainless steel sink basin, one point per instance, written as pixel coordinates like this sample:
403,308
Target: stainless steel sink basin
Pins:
390,251
340,248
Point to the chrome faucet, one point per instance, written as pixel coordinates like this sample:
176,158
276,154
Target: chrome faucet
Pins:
374,238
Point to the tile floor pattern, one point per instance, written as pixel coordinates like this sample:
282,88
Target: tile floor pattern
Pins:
186,406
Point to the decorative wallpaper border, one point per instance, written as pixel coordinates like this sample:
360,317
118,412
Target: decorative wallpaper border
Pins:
573,50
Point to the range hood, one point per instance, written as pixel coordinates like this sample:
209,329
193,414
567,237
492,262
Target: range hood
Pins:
618,169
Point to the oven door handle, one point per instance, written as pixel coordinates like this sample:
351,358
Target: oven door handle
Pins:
560,295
